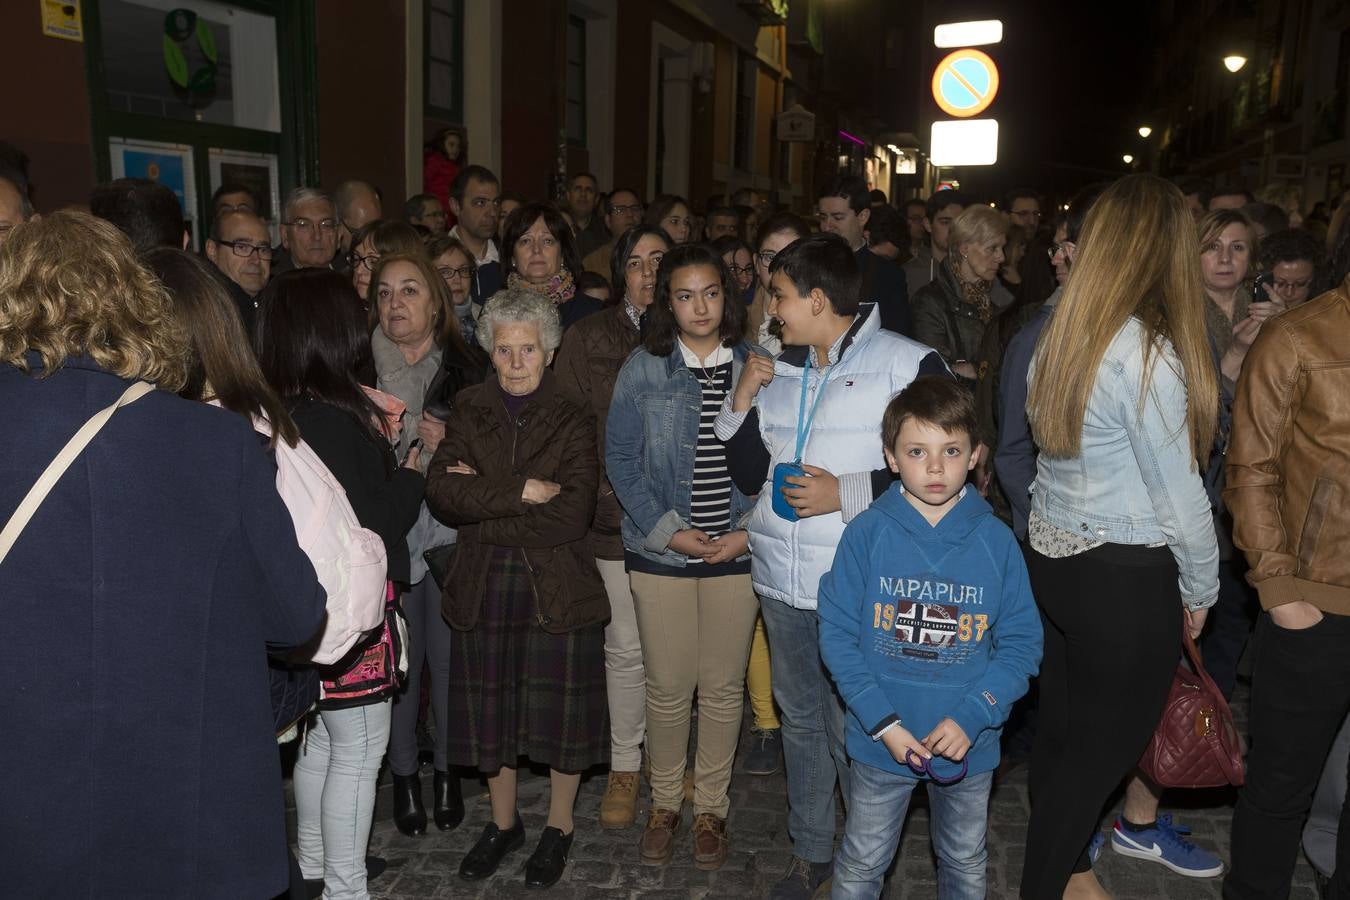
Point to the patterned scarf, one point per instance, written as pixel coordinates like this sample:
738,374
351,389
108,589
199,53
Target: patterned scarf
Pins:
560,288
976,293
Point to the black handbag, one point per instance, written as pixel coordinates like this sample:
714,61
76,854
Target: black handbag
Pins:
438,562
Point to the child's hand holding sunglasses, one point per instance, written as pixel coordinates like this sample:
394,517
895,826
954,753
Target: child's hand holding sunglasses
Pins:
948,740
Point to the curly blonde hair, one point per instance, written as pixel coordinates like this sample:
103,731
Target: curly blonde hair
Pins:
70,284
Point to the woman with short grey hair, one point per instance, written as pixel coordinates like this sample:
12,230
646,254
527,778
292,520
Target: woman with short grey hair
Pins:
517,305
516,473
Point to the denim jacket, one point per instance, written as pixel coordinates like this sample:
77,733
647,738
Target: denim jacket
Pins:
651,439
1133,480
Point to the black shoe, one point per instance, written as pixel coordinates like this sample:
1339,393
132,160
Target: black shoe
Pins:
492,847
313,888
545,865
449,810
375,866
409,814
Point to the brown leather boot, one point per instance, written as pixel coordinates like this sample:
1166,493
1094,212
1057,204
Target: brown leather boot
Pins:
618,806
710,841
658,838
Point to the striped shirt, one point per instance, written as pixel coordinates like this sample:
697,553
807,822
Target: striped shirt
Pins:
710,490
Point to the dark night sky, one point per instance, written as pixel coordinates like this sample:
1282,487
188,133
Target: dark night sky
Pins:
1072,82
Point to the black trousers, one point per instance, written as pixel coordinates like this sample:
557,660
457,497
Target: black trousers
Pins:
1300,696
1112,619
1230,624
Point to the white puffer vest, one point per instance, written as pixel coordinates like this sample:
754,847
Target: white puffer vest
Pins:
788,558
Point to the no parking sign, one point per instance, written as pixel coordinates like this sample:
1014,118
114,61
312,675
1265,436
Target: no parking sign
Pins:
965,83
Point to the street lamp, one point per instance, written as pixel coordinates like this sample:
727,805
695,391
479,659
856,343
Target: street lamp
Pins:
1234,62
1127,159
1145,131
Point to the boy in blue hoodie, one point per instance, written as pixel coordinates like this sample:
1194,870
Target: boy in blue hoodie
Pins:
929,629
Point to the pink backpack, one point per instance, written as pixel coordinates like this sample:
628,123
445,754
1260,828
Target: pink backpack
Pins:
349,560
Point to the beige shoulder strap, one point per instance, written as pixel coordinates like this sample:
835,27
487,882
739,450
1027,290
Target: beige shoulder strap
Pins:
57,467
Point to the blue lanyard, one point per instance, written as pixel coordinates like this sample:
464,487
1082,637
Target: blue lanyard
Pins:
803,420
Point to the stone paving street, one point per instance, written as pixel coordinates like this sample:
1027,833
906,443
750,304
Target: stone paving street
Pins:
605,864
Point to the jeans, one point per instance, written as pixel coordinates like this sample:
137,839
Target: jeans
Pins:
625,677
335,795
1321,833
876,811
429,641
1300,696
813,727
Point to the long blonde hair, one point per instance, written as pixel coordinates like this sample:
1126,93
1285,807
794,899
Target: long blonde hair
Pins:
71,284
1138,257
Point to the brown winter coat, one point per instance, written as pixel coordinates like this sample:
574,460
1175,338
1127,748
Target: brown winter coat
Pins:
592,353
552,439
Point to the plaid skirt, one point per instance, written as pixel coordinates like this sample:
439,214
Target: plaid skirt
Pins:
517,690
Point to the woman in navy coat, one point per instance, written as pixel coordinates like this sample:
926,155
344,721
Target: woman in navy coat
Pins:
140,602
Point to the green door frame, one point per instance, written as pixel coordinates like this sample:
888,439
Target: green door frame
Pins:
296,146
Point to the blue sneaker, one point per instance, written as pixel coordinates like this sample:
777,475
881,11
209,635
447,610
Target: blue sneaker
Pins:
1164,843
1095,848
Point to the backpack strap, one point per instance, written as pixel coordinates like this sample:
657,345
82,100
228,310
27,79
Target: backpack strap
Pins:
57,467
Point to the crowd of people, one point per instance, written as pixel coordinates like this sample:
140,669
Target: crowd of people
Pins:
941,486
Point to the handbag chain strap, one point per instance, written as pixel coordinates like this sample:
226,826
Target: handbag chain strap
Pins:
57,467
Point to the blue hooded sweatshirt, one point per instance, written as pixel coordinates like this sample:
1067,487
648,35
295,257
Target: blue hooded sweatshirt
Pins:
925,623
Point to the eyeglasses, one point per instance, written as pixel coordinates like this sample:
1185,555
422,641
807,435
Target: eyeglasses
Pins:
623,210
1288,287
1055,249
452,272
365,262
307,225
1034,213
741,270
247,248
766,257
916,219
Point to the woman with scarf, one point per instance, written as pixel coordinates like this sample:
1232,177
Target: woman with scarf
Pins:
953,310
541,257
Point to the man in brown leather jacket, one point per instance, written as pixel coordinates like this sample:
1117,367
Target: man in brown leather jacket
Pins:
1288,489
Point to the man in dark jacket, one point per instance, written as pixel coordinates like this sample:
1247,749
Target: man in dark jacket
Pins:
240,248
845,210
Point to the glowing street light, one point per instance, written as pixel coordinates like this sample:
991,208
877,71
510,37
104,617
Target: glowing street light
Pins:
1145,131
1127,159
1234,62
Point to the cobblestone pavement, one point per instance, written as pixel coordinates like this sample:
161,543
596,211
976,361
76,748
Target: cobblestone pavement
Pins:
605,864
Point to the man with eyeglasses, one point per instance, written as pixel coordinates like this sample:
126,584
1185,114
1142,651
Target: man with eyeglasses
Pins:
1023,208
230,197
939,211
309,229
916,210
1293,256
623,210
425,210
475,200
241,249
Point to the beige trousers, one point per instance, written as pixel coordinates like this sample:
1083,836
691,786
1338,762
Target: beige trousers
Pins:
695,636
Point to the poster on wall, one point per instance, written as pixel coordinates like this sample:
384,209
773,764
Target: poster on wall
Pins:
61,19
255,171
168,164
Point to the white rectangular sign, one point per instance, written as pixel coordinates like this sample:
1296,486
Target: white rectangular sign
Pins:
968,34
964,142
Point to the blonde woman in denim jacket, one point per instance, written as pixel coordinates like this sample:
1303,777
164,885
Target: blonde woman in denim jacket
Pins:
1122,403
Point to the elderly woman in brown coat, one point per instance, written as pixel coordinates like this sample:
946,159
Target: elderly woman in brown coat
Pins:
516,473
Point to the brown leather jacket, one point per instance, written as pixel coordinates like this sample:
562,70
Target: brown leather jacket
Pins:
592,353
1288,471
551,439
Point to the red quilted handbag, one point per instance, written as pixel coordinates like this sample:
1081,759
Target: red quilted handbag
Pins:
1195,744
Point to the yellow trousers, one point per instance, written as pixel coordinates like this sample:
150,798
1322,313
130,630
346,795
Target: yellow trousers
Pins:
759,682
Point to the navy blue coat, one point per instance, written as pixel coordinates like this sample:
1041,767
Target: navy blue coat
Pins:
137,608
